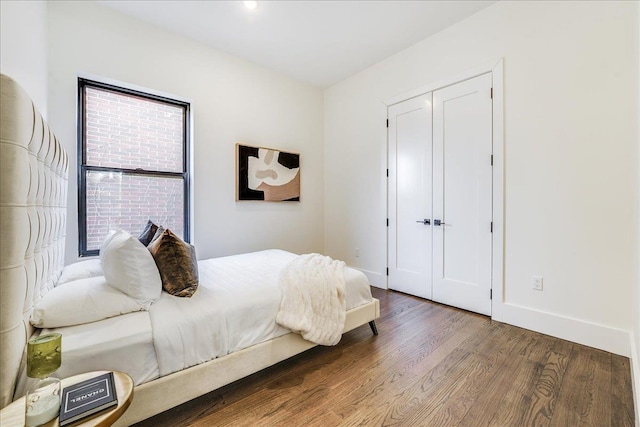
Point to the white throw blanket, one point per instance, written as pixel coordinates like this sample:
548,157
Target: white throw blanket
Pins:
313,298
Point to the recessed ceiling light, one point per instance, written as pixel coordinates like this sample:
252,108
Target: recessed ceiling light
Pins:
251,4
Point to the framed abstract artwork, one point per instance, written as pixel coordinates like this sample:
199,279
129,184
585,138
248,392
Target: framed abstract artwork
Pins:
267,174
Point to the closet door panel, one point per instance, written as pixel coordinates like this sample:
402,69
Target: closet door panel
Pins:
462,139
410,194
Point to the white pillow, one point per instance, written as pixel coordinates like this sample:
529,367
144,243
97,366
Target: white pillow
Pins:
130,268
80,270
106,241
81,301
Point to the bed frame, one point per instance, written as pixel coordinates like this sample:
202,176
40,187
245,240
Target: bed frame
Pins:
33,196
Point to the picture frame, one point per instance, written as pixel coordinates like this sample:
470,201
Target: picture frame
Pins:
267,174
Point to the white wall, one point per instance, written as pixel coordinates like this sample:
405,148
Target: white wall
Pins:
232,100
23,47
635,333
571,196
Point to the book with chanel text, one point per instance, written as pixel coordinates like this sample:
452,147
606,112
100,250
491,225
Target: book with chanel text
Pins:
87,398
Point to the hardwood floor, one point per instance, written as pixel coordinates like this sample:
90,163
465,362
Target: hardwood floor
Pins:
431,365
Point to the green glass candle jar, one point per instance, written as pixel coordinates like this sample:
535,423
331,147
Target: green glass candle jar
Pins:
44,356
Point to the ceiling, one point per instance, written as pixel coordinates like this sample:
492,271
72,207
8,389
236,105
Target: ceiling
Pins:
319,42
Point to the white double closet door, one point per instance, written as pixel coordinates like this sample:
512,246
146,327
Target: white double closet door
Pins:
440,195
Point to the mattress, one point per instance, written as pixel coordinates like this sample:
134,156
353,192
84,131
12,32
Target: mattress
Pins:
234,308
122,343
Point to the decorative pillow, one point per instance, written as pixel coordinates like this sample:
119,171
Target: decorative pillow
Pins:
129,267
147,234
177,263
157,235
81,301
80,270
107,239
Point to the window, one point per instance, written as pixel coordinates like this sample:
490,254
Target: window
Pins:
133,163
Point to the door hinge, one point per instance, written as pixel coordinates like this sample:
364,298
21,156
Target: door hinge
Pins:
387,173
387,222
491,93
387,271
387,122
490,293
492,160
492,226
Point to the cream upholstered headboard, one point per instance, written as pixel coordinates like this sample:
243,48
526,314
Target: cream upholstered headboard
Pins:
33,198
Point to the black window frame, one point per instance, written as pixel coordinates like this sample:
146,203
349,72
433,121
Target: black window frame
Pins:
83,168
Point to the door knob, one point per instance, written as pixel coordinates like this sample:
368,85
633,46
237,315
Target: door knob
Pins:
437,222
425,221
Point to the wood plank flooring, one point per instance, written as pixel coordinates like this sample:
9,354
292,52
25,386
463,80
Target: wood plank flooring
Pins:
431,365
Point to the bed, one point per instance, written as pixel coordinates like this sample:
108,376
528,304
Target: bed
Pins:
33,194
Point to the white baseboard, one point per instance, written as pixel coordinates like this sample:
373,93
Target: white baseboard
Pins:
579,331
605,338
635,376
376,279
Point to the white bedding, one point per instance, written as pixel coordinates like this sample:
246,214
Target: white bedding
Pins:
122,343
236,301
313,302
235,307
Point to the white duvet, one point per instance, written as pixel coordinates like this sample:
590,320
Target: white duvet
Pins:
235,307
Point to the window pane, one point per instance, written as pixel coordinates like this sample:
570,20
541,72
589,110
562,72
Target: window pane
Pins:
128,132
117,200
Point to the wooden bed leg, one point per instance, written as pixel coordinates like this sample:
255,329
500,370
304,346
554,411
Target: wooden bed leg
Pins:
373,327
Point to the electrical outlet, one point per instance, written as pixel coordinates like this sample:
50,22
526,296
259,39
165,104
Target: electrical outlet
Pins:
357,252
537,282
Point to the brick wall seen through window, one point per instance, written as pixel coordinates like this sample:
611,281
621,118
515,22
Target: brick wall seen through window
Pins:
133,163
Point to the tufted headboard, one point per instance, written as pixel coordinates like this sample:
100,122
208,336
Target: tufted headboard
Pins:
33,198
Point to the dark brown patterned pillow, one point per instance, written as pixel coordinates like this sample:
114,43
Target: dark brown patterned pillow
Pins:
177,263
147,234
